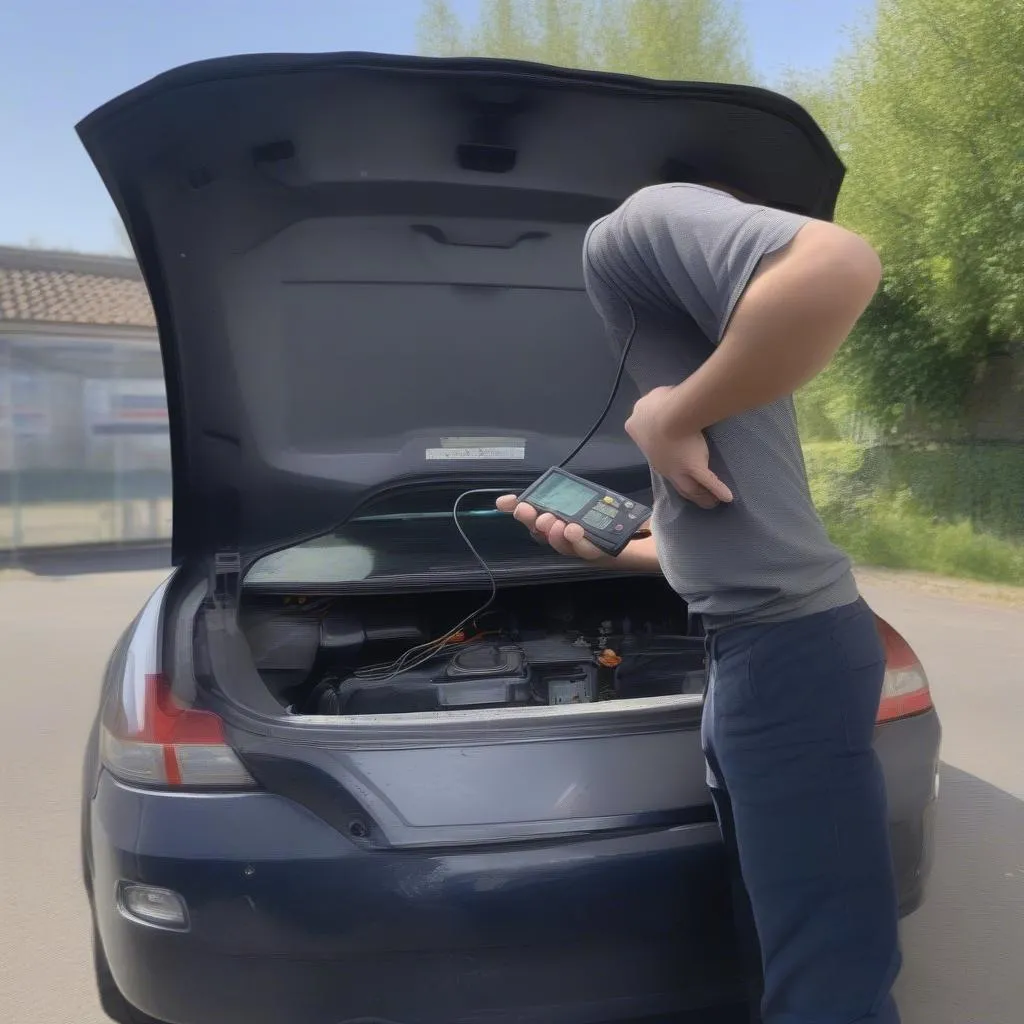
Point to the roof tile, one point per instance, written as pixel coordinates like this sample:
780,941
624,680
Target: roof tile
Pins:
82,291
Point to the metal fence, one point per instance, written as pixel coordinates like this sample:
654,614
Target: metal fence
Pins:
84,446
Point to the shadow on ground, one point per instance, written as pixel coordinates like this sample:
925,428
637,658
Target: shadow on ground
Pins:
964,950
87,560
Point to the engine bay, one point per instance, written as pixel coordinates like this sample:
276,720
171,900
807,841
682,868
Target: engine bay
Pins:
553,644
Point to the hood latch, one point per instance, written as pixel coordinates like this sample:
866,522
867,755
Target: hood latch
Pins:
226,580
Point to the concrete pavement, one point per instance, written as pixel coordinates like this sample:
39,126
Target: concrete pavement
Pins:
964,949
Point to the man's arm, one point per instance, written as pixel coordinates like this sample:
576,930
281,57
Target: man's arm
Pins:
797,310
639,555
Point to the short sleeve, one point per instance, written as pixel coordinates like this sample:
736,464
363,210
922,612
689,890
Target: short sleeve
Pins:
688,248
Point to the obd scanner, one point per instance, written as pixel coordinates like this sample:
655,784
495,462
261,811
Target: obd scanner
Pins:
609,519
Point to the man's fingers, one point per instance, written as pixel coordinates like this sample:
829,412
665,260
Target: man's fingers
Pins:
557,539
569,540
545,521
693,492
713,484
526,514
581,547
523,513
703,499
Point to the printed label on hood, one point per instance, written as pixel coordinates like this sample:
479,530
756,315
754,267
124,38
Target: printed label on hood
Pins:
482,449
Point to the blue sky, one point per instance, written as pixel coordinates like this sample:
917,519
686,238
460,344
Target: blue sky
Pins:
61,58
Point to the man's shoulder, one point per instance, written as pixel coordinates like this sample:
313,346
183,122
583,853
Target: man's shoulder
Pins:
658,248
679,198
674,210
664,197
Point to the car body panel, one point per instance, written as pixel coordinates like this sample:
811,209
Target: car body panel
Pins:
314,228
291,919
457,793
296,916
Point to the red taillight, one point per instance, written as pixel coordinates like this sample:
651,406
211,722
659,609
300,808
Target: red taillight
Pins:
905,690
148,737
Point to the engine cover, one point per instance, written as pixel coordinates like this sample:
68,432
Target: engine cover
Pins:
486,661
478,676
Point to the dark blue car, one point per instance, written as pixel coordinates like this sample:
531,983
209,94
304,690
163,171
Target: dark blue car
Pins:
307,798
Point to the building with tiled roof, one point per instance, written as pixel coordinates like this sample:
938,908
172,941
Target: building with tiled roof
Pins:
83,414
40,287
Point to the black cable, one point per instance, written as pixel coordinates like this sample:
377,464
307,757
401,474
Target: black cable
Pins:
423,653
612,394
416,656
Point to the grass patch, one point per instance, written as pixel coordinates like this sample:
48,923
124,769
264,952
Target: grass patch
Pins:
889,534
889,528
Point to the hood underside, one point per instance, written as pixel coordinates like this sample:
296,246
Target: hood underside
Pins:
366,269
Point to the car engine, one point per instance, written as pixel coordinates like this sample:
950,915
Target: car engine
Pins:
566,645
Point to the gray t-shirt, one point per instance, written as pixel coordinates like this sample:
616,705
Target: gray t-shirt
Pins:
680,257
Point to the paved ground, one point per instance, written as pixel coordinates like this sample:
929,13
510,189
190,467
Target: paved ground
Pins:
68,522
964,950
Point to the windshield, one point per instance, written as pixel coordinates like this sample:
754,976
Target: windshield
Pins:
402,546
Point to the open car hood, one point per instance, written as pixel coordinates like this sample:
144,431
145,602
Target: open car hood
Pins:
366,270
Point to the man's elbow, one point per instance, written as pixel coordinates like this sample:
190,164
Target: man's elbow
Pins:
857,264
835,275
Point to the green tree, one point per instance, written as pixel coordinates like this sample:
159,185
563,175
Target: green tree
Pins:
819,94
702,40
928,109
505,30
439,29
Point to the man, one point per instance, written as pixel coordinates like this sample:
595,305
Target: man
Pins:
732,306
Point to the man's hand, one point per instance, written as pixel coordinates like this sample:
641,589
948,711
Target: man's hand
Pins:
566,538
680,459
640,554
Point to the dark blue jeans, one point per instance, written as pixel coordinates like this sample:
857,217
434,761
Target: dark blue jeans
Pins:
787,733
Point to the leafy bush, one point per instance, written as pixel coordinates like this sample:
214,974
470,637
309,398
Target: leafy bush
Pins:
980,483
888,531
869,511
